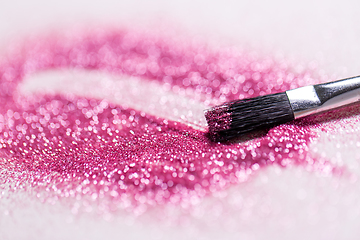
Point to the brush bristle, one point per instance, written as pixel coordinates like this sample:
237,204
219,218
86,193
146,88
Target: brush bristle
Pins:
236,118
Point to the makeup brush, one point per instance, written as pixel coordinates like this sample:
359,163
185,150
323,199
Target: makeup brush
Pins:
233,119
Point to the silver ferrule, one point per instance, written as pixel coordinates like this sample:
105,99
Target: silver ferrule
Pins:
322,97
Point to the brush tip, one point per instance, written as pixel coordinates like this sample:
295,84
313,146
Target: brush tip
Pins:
218,118
237,118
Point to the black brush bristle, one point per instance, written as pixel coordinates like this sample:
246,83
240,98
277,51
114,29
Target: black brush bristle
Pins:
236,118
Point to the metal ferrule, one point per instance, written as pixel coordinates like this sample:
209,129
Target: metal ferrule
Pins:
322,97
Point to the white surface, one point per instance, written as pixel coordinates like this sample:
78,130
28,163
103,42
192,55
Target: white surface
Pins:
121,90
275,204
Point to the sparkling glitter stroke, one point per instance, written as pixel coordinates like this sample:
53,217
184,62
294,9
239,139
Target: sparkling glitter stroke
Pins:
71,146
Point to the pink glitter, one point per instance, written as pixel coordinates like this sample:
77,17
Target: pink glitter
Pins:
74,146
218,118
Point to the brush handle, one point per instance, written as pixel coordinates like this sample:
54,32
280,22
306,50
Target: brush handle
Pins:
322,97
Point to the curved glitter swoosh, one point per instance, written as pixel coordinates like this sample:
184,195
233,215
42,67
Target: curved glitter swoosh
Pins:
77,146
